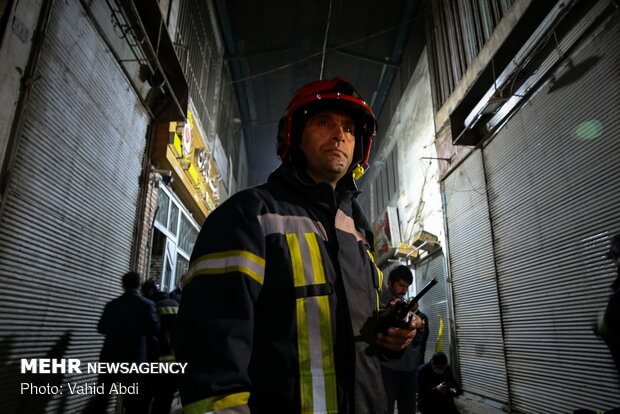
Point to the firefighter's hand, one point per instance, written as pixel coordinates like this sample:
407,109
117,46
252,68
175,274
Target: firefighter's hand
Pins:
396,339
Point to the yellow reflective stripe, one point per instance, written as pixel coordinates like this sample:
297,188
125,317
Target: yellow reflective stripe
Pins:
315,255
219,402
379,275
379,272
329,363
168,310
229,261
230,253
167,358
315,345
303,348
296,262
303,342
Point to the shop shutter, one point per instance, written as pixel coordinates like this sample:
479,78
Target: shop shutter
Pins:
434,303
554,188
474,287
67,224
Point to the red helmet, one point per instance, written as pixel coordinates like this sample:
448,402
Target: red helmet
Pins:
337,93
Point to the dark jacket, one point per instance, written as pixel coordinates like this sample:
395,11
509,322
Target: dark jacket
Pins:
176,295
419,342
609,326
128,322
280,303
609,323
167,309
430,400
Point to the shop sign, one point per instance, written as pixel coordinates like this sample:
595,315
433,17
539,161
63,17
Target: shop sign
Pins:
387,234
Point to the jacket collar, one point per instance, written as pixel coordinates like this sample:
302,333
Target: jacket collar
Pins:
323,193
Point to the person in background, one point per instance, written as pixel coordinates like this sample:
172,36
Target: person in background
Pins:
162,386
608,326
399,376
177,292
280,309
437,387
128,323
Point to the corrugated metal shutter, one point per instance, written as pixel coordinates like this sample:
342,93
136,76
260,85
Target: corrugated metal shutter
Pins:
434,303
553,179
66,230
474,287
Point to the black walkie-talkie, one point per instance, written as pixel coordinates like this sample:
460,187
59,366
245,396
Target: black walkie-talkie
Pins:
396,315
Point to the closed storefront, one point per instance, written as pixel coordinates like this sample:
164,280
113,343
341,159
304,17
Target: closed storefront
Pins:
553,188
67,220
476,308
434,304
529,216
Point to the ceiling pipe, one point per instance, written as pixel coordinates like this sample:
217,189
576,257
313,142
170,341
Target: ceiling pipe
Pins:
236,67
393,63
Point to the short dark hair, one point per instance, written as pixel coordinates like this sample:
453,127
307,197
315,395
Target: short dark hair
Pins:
131,280
149,287
401,273
440,358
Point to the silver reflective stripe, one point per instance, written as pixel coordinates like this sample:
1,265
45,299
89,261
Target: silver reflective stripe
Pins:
346,224
278,224
316,354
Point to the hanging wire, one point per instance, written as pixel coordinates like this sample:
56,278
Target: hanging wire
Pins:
329,16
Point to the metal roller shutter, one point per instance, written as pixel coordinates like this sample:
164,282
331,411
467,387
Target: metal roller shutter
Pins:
553,179
474,287
67,225
434,303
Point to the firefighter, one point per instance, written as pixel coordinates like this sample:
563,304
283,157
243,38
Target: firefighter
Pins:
162,386
280,306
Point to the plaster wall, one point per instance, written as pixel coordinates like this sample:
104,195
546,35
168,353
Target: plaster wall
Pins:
412,129
14,52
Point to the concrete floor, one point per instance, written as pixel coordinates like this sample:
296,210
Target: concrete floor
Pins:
473,405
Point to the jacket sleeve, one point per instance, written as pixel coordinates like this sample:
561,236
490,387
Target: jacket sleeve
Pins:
216,317
425,382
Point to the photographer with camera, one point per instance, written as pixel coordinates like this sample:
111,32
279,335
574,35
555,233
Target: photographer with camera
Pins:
437,387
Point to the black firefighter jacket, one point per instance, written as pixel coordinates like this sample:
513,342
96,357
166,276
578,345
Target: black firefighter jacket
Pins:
167,309
279,311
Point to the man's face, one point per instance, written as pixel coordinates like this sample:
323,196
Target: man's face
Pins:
328,141
399,288
439,369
